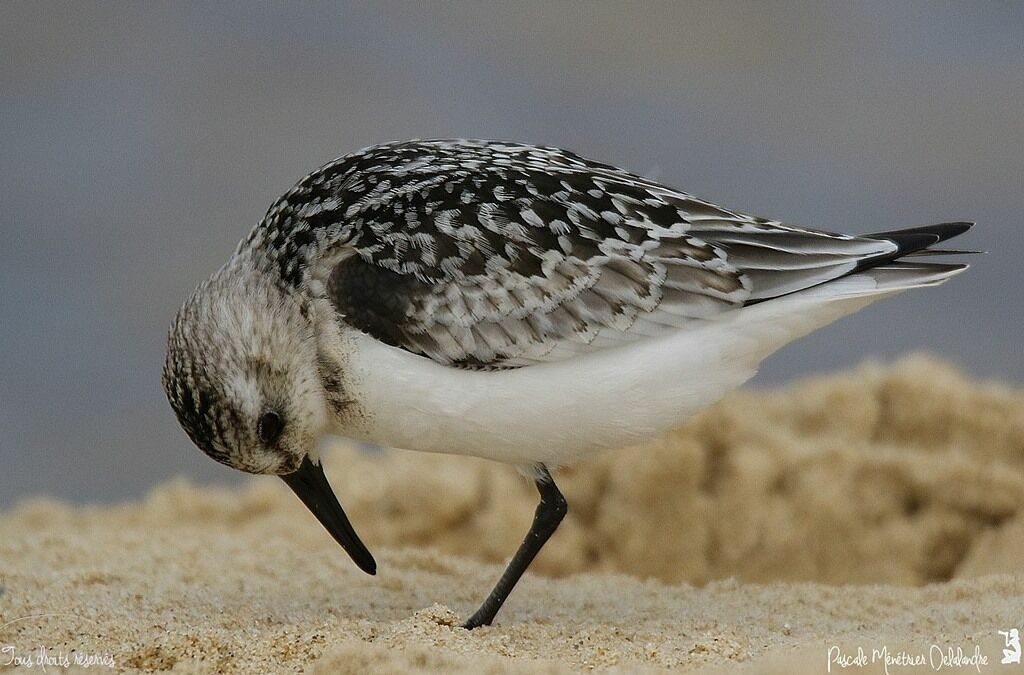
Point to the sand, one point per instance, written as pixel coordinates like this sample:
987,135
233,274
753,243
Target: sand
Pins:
879,508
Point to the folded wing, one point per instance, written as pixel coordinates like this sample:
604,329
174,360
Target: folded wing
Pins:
491,255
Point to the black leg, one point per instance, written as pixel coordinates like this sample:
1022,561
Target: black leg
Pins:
549,514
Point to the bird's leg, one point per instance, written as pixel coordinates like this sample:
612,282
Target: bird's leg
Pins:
549,514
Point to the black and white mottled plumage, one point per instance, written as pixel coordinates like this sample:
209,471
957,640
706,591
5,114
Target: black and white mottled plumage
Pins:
501,254
503,300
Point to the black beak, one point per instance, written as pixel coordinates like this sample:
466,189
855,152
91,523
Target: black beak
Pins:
311,485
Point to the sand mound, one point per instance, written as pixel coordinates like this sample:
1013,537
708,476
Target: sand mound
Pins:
900,476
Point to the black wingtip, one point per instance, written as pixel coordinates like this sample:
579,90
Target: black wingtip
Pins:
951,230
909,242
942,231
915,239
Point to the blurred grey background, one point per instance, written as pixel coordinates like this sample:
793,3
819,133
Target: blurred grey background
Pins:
140,141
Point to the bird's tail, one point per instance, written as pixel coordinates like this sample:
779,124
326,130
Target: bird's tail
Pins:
901,270
879,276
766,326
780,260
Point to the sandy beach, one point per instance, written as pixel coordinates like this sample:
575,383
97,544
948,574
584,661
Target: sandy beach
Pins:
881,508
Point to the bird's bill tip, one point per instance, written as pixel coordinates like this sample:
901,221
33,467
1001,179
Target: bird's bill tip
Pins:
310,485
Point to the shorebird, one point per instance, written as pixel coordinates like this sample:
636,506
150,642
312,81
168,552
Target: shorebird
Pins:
508,301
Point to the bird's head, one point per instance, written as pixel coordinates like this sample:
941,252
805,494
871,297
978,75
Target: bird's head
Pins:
241,375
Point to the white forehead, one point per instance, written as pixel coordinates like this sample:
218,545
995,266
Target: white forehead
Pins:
244,391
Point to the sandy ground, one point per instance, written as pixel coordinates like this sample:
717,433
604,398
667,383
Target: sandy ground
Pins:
879,509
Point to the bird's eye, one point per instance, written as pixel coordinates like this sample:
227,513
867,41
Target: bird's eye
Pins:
269,427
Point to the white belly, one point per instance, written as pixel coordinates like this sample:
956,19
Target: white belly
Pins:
552,413
558,412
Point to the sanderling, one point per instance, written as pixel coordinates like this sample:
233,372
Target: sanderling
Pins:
508,301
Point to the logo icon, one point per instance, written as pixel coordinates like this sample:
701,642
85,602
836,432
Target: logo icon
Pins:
1012,652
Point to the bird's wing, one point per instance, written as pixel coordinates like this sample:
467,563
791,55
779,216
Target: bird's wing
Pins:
482,254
